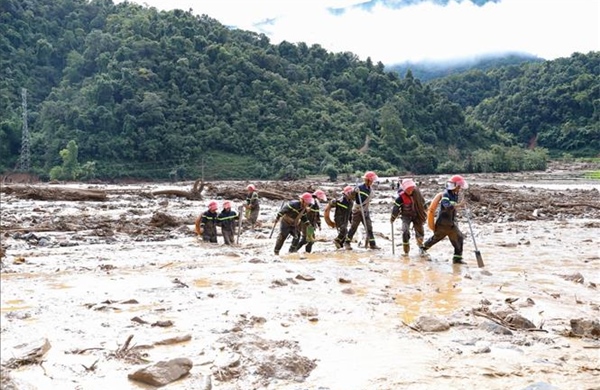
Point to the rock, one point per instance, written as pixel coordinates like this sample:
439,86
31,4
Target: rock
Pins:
576,277
307,278
495,328
585,328
518,321
163,372
432,324
34,350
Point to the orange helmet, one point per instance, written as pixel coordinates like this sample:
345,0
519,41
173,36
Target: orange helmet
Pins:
457,181
227,204
251,187
370,175
348,190
307,198
320,194
213,205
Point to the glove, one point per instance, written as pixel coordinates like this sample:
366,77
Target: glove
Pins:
392,219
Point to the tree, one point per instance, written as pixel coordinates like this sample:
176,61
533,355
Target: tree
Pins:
70,168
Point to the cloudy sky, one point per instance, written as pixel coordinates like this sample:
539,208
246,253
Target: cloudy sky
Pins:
394,31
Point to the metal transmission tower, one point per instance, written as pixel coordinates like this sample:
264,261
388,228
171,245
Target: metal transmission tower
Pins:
25,157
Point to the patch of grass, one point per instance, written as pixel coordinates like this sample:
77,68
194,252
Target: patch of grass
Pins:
595,175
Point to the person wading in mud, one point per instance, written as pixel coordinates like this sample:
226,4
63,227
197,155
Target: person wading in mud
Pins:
206,223
293,218
342,216
314,218
252,205
360,212
227,220
445,223
410,205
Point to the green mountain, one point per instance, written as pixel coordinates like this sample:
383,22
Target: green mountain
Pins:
127,91
554,104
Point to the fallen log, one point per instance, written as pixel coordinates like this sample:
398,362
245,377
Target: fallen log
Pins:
194,194
54,193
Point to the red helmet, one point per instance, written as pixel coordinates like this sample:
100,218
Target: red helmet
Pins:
457,181
408,183
227,204
307,198
370,175
348,190
320,194
251,187
213,205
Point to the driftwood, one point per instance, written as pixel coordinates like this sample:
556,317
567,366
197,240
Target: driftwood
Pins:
486,313
569,205
194,194
283,191
54,193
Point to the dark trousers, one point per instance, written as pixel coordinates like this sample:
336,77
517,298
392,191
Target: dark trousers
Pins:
228,236
452,232
342,228
357,219
286,229
210,232
417,227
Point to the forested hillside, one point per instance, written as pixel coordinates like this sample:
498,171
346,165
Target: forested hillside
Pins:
128,91
555,105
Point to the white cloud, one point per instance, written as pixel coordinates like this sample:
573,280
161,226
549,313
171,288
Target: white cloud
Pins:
546,28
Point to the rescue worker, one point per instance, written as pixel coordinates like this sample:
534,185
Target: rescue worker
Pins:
445,223
360,212
314,218
343,216
206,223
410,206
227,220
293,217
252,205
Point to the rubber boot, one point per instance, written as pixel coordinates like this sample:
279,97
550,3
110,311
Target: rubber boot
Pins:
309,247
337,243
373,245
457,259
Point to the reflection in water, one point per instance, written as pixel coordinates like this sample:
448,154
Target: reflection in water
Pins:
427,291
14,305
206,282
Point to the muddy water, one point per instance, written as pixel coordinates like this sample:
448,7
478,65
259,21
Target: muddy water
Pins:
356,330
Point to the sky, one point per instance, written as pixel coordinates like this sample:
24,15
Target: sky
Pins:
396,31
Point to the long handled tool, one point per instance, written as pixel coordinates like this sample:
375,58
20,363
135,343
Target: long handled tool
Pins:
364,219
240,209
477,253
393,244
276,220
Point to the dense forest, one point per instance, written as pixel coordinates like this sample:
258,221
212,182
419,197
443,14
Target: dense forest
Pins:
124,90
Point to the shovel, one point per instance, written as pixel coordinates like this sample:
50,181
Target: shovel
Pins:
477,253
